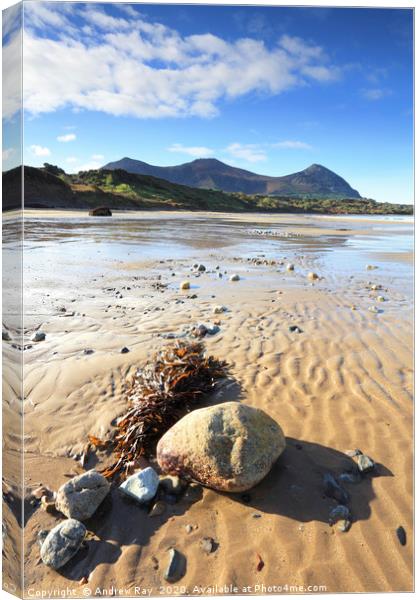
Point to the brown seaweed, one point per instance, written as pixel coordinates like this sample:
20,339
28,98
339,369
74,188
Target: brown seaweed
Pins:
159,395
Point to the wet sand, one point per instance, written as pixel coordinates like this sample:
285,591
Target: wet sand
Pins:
345,382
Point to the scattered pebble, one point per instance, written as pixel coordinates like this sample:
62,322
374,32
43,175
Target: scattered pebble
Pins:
313,276
141,486
365,463
380,299
401,535
188,528
352,453
62,543
338,513
370,267
234,277
290,267
88,351
39,336
80,497
373,309
201,268
208,545
218,310
295,329
343,525
185,285
124,350
5,336
41,536
173,484
176,566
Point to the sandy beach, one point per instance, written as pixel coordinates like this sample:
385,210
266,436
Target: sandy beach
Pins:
344,382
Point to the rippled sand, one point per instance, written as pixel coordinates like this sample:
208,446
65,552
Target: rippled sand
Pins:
345,382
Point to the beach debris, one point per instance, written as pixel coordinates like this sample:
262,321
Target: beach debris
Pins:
234,277
295,329
172,484
142,486
189,528
200,268
178,377
124,350
371,267
260,563
365,463
208,545
373,309
401,535
5,336
88,351
157,509
380,299
62,543
313,276
339,513
80,497
218,310
290,267
39,336
375,286
176,566
200,446
334,490
184,285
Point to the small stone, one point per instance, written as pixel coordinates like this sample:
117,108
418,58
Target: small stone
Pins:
176,566
290,267
313,276
373,309
39,336
62,543
234,277
5,336
295,329
158,509
218,310
200,331
80,497
338,513
124,350
48,505
343,525
213,330
201,268
220,275
370,267
208,545
365,463
352,453
141,486
375,287
188,528
185,285
380,299
83,580
88,351
335,490
401,535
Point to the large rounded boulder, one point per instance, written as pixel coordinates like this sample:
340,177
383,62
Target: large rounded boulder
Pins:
228,447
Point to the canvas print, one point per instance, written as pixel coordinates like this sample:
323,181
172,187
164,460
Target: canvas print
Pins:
207,299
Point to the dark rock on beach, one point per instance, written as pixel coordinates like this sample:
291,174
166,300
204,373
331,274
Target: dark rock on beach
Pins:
176,566
100,211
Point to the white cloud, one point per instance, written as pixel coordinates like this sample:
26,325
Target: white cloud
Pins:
98,156
249,152
72,159
195,151
39,150
375,93
8,153
292,145
129,66
68,137
88,166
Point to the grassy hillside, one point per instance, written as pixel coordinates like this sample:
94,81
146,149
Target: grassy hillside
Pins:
51,187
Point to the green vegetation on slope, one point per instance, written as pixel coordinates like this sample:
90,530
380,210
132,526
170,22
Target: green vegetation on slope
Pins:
51,187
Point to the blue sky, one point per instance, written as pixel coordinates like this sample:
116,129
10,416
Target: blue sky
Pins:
271,90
